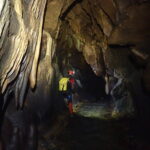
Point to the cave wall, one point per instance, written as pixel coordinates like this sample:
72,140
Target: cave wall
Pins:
112,36
20,50
97,27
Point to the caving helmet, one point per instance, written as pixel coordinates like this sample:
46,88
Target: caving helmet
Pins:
71,72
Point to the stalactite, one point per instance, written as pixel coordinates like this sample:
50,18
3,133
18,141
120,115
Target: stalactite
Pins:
49,44
23,52
50,48
37,51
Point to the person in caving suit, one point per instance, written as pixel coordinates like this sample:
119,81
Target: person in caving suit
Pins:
66,87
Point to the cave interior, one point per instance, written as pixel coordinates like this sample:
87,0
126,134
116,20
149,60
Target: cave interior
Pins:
105,43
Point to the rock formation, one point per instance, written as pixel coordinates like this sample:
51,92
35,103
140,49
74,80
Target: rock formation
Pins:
103,39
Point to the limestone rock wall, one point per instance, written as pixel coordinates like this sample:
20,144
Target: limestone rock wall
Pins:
20,50
113,37
21,27
101,27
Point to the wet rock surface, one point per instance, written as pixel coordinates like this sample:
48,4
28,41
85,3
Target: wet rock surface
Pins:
103,110
94,110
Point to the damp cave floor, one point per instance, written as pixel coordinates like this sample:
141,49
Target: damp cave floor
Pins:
87,133
92,134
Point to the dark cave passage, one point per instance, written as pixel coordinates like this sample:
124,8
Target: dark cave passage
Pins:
92,85
74,74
